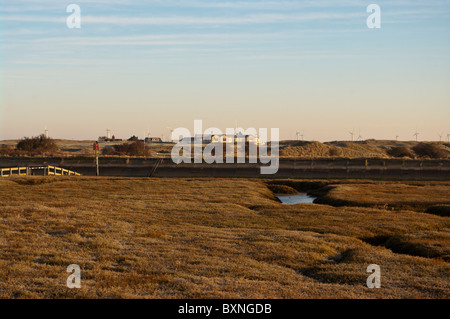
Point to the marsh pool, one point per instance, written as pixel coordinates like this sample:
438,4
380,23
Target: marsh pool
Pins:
301,198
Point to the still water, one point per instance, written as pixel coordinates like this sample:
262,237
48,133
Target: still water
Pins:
301,198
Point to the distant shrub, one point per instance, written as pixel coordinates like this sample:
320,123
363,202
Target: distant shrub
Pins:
133,138
400,151
6,151
109,150
136,148
37,144
430,150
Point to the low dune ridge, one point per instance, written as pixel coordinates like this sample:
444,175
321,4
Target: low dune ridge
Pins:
288,149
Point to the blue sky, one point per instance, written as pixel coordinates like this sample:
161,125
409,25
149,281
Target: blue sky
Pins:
309,66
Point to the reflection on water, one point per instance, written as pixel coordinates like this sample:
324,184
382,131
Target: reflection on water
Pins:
301,198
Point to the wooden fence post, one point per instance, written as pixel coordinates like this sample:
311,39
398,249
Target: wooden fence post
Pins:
96,163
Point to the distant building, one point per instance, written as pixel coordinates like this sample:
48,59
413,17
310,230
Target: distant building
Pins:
222,138
107,139
235,139
191,140
207,138
153,140
134,138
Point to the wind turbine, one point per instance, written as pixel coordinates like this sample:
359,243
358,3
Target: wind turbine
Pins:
146,135
297,134
352,133
448,137
171,131
416,135
440,136
359,135
396,137
46,132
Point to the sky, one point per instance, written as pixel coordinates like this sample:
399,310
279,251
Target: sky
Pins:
147,66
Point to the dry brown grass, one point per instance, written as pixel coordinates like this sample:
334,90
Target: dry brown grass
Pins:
282,189
416,196
208,238
340,149
364,149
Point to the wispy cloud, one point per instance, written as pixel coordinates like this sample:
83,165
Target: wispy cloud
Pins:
32,5
181,39
189,20
279,18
